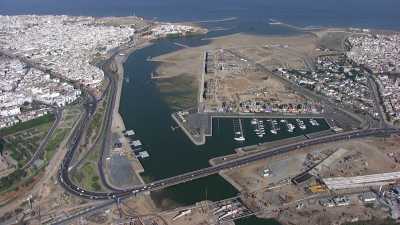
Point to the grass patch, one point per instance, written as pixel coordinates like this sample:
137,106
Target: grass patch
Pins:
94,154
27,125
87,176
1,145
22,145
95,124
34,131
98,118
8,182
55,142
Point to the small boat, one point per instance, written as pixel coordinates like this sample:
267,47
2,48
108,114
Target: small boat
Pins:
274,129
254,121
276,126
314,122
290,127
301,124
260,129
239,136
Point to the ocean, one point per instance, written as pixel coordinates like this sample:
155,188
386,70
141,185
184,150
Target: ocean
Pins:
339,13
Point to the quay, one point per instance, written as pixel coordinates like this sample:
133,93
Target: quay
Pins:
197,126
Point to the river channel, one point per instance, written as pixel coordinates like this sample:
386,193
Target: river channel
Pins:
171,152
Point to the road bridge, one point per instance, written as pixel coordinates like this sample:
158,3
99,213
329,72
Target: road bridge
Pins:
186,177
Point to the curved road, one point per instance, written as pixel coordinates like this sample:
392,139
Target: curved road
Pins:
66,182
160,184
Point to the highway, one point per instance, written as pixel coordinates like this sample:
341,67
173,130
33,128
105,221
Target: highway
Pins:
105,135
160,184
115,194
90,107
58,115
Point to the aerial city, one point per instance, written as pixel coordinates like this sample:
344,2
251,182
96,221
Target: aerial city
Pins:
199,112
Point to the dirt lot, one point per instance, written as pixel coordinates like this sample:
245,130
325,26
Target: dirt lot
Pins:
269,52
364,156
196,216
277,194
314,213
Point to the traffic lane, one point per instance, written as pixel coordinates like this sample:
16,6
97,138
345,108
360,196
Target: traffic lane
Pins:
211,170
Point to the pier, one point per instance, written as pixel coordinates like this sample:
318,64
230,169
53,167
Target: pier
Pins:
197,126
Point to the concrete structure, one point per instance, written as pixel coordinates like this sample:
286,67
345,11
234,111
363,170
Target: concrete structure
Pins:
338,183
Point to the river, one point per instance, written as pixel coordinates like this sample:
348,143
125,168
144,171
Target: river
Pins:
171,152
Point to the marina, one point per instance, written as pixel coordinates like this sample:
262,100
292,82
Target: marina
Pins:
151,119
300,124
277,127
136,145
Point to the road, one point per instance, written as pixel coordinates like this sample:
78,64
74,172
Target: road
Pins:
186,177
114,194
331,109
377,100
105,136
160,184
43,143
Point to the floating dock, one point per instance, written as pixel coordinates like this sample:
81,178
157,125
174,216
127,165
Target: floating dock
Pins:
129,133
143,154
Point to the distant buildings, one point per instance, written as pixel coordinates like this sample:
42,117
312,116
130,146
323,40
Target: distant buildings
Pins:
24,85
390,91
63,44
336,79
163,30
380,53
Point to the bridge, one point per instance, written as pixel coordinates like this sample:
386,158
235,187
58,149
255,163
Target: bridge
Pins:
182,178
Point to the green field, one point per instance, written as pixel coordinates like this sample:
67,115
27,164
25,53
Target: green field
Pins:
96,123
55,142
24,143
23,139
27,125
1,145
88,177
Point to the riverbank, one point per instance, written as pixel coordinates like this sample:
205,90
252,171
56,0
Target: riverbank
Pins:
118,126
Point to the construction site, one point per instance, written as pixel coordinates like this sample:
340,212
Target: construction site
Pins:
354,180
